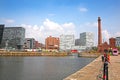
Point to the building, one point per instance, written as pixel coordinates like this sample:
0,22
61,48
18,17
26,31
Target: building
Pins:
42,46
1,32
52,43
87,39
13,37
112,43
29,43
117,41
102,46
66,42
77,42
37,45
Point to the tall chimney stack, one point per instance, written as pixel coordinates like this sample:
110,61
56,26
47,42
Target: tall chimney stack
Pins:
99,35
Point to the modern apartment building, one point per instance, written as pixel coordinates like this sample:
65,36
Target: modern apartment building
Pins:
117,41
29,43
13,37
87,39
52,43
66,42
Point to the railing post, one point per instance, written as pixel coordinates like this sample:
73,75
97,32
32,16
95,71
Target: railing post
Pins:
105,70
104,75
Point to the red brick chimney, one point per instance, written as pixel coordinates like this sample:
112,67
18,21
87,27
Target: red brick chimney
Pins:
99,35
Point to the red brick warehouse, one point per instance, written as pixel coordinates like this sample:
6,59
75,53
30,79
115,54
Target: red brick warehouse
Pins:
52,43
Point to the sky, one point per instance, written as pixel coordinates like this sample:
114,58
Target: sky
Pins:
43,18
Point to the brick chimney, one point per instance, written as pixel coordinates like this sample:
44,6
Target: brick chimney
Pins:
99,35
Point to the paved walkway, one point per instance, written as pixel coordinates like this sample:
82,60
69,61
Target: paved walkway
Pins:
114,68
93,71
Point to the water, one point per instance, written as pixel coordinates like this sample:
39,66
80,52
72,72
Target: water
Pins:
40,68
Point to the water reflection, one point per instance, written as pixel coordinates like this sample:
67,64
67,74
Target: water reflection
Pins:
40,68
10,68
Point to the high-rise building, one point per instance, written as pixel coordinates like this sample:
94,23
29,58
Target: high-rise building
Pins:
1,32
66,42
77,42
87,39
118,41
13,37
52,43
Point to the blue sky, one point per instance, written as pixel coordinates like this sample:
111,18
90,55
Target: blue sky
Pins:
42,18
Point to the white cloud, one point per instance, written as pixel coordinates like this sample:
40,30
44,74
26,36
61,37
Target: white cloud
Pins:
106,35
32,31
7,20
88,27
83,9
69,28
48,28
117,34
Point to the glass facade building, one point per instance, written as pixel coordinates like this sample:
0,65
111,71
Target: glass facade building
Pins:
13,37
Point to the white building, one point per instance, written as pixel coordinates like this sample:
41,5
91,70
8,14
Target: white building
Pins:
66,42
117,41
87,39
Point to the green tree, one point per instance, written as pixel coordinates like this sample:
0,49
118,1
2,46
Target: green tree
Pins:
118,48
94,48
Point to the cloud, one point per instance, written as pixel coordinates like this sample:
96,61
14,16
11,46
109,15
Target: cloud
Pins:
91,24
106,35
83,9
7,20
88,27
117,34
32,31
48,28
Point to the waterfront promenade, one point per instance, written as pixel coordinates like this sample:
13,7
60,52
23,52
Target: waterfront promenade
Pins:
93,71
2,53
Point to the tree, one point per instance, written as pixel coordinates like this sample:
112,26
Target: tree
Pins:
118,48
94,48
